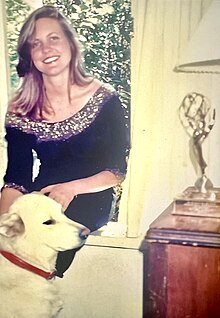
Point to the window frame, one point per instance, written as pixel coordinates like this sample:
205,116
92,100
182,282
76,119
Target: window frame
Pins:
127,225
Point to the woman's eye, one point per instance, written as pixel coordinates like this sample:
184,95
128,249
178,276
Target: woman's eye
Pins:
34,45
54,38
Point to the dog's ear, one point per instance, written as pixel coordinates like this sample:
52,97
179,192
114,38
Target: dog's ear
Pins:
11,224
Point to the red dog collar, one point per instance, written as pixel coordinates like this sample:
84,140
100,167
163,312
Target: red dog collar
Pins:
19,262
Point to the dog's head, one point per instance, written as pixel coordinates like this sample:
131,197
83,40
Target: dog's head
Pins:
37,220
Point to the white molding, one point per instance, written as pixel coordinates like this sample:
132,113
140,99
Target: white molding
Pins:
4,87
115,242
4,61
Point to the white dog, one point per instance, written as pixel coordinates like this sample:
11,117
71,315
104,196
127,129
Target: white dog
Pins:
31,234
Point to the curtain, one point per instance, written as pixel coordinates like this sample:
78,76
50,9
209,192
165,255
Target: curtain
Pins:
159,163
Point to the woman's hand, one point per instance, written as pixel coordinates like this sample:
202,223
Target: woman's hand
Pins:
62,193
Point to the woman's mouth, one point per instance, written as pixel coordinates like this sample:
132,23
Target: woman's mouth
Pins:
51,59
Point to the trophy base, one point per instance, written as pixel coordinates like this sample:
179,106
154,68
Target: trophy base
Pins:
194,203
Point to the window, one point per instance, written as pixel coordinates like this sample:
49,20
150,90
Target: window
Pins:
104,29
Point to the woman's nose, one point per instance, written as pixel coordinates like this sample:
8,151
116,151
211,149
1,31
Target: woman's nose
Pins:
46,47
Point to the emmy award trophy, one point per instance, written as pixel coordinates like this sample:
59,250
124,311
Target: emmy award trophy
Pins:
198,118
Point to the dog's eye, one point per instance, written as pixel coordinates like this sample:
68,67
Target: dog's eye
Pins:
49,222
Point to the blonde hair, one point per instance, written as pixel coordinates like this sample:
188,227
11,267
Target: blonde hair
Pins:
30,96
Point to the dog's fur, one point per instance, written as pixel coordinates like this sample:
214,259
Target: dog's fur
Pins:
24,233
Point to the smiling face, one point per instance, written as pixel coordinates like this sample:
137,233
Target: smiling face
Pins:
50,49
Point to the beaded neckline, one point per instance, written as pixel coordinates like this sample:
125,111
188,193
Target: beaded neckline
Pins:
100,89
66,128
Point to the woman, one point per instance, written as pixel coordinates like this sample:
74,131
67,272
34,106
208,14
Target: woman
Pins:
72,121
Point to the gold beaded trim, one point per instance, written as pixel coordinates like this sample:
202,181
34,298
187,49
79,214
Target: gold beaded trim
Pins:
15,186
118,174
64,129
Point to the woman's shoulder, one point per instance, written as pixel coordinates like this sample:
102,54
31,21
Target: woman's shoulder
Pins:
105,92
14,120
97,85
10,116
95,95
106,86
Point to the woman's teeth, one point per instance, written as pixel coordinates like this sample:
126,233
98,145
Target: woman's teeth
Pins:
51,59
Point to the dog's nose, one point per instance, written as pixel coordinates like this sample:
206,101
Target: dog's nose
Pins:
84,234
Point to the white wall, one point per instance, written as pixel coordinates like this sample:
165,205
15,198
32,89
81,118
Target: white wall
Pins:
103,283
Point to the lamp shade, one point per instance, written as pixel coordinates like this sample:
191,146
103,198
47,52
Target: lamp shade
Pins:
202,53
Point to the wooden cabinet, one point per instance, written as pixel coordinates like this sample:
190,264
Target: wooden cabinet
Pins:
182,267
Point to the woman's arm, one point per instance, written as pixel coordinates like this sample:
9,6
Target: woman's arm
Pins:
8,196
18,175
64,193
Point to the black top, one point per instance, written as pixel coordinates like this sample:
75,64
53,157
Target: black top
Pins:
92,140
